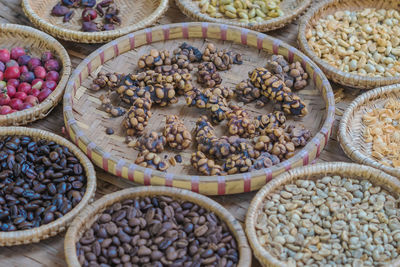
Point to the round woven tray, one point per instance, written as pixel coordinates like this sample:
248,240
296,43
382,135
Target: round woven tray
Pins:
86,122
314,172
12,35
292,9
90,214
135,15
351,127
48,230
325,8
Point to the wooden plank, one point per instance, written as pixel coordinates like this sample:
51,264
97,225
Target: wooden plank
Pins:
50,252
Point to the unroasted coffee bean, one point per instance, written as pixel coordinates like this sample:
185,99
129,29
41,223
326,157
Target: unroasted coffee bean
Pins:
157,231
40,181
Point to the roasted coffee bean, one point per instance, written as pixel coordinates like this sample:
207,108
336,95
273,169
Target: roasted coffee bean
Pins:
157,231
34,189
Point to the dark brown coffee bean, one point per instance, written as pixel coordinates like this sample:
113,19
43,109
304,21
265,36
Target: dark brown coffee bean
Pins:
105,218
78,169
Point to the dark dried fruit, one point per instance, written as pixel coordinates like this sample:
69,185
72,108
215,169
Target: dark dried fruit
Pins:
89,26
88,3
69,16
89,14
71,3
106,3
108,27
59,10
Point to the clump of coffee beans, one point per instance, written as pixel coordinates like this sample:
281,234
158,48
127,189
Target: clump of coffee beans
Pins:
25,80
206,99
223,60
138,116
176,133
106,9
40,181
240,123
208,75
154,142
293,74
157,231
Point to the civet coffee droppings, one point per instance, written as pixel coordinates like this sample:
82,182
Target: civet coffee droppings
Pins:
333,221
157,231
40,181
163,76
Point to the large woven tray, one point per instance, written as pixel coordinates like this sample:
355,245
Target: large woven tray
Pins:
92,213
327,7
37,234
86,122
36,42
292,10
135,15
351,127
314,172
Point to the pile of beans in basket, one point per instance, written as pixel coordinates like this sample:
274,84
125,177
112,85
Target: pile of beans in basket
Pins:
157,231
40,181
251,143
332,221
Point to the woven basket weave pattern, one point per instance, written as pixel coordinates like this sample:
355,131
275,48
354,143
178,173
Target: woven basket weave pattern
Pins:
59,225
292,9
92,212
349,170
325,8
135,15
36,42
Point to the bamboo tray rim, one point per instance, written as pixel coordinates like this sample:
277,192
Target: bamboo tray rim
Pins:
347,143
87,217
44,108
303,156
91,37
47,230
341,77
353,170
266,25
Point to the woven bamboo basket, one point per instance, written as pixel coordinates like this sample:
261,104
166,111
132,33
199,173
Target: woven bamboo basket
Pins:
317,171
86,122
292,10
325,8
91,213
48,230
351,127
135,15
36,42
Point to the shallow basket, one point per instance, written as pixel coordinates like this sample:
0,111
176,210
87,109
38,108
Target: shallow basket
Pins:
51,229
86,122
325,8
135,15
317,171
292,10
12,35
92,212
351,127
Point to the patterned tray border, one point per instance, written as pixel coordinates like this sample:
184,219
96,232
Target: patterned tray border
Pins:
209,185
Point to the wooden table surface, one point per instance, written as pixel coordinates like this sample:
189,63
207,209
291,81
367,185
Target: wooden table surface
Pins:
50,252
